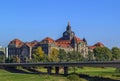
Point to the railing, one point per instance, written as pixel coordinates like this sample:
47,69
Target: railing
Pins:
115,64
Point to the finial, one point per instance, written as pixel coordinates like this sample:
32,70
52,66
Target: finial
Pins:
68,23
68,26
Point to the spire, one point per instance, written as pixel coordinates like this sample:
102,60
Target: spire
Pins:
68,23
68,27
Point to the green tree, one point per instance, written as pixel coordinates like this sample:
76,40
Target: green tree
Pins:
45,58
78,57
62,55
116,53
102,54
90,56
8,60
70,57
2,57
74,56
38,54
15,59
53,55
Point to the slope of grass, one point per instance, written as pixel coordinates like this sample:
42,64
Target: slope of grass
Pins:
100,72
7,76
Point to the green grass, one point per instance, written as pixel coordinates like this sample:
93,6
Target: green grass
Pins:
100,72
7,76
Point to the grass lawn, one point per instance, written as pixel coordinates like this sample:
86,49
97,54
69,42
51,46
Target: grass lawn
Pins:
7,76
91,71
100,72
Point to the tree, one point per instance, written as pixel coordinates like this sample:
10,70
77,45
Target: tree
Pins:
78,57
102,54
53,56
90,56
62,55
2,57
74,56
15,59
116,53
8,60
71,57
38,54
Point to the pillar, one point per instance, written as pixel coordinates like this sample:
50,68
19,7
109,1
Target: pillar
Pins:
49,70
57,70
65,71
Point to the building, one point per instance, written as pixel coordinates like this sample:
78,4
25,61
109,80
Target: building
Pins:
17,48
3,53
69,42
98,44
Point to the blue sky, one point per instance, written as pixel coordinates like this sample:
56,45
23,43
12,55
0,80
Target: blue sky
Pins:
96,20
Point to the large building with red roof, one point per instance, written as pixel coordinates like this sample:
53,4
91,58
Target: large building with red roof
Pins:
98,44
69,42
23,50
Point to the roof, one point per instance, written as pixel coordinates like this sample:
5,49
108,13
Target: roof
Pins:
48,40
63,43
60,39
31,44
16,42
78,40
92,47
98,44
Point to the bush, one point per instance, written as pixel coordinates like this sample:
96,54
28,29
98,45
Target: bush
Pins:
74,77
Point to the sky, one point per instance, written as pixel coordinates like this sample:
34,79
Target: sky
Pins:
28,20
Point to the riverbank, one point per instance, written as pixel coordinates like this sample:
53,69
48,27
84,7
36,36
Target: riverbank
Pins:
87,73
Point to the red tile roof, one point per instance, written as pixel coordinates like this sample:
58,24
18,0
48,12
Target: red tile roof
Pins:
98,44
16,42
63,43
48,40
78,40
31,44
92,47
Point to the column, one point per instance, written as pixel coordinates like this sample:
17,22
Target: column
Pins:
49,70
56,70
65,70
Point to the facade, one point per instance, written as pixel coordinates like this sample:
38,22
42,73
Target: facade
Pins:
69,42
17,48
3,53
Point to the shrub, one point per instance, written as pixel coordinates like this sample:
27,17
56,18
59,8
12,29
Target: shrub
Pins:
74,77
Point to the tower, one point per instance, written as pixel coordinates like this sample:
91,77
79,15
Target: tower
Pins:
68,34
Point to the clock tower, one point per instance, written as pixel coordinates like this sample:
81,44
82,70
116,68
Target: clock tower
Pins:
68,34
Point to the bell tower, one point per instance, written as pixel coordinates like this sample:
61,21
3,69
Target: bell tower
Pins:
68,34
